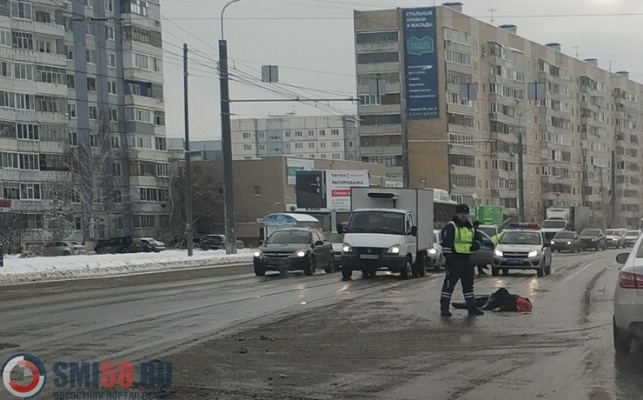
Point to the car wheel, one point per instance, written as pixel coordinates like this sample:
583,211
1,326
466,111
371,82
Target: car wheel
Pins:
66,253
205,247
495,271
260,270
329,268
124,250
407,271
347,273
541,271
365,273
621,346
310,268
421,264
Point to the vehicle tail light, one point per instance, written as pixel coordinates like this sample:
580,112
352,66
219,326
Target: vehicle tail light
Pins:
628,280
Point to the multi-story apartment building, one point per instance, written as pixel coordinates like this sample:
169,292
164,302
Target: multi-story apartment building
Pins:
82,115
323,137
463,91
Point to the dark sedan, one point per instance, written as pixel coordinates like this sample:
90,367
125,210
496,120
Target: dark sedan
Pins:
292,250
566,241
593,239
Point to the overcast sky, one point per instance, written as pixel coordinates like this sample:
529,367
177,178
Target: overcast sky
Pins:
312,43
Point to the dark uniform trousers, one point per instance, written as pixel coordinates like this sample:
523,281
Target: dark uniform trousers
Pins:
459,268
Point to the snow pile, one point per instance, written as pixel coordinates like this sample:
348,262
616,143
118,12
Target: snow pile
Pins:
17,270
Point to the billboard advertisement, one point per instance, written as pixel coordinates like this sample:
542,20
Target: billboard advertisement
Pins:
310,189
339,184
421,63
297,164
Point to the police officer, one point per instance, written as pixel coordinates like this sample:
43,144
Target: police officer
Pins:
478,237
458,244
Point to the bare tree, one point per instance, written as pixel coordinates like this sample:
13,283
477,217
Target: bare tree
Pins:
11,231
60,216
92,179
207,201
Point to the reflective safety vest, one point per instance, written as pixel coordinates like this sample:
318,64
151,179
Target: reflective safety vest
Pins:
462,240
496,238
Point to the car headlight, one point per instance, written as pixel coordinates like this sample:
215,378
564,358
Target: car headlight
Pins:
552,242
532,254
346,248
498,253
569,242
300,253
257,254
433,252
593,239
394,249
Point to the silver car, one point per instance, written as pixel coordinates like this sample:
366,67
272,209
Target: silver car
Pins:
615,238
435,259
63,249
631,237
628,303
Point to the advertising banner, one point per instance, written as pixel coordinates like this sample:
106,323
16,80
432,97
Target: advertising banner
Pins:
421,63
339,183
297,164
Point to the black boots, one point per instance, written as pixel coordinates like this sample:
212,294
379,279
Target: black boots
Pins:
473,308
445,304
476,311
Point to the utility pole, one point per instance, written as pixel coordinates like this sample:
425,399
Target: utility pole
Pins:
406,179
188,161
600,169
613,190
521,174
226,142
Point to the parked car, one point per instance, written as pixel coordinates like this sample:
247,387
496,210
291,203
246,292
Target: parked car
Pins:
336,240
216,242
566,241
627,320
62,249
436,258
484,256
122,245
615,238
593,238
79,248
154,244
631,237
294,249
490,230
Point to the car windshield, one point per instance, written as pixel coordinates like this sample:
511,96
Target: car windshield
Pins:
564,235
521,237
633,233
590,232
377,222
613,232
489,230
336,238
290,237
554,224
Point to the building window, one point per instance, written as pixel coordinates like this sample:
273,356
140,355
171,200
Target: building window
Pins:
91,85
111,87
73,139
117,169
163,170
21,10
22,40
23,71
159,118
30,191
109,5
246,135
93,113
69,52
113,114
116,142
78,223
70,82
111,59
27,131
32,221
134,89
161,143
257,190
71,110
118,196
336,156
90,56
247,147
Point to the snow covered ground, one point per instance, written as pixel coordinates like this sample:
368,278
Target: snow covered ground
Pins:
18,270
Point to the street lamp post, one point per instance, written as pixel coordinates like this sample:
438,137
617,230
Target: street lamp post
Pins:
226,141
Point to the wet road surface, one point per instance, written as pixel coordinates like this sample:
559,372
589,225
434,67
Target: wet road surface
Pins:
380,338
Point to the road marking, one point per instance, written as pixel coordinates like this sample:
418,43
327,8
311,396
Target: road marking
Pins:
585,267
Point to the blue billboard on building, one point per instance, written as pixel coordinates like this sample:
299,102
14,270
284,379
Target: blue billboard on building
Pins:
421,63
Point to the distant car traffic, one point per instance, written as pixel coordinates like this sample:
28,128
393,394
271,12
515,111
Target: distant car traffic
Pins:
63,249
628,303
631,237
154,244
593,238
615,238
294,249
566,241
523,246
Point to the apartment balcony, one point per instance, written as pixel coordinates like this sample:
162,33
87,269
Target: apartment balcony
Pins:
160,130
146,102
140,21
378,67
147,155
144,48
377,47
379,109
379,129
37,28
136,74
460,109
390,87
505,119
33,57
148,181
380,150
149,207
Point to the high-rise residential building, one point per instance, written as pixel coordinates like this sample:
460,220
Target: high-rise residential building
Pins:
324,137
81,108
464,91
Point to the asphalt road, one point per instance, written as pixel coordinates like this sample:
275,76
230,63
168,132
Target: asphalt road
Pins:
562,350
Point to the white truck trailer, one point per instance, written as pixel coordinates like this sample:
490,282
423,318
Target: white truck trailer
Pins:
389,229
